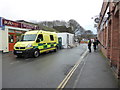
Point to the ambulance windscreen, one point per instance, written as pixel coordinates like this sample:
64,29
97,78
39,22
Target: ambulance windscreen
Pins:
28,37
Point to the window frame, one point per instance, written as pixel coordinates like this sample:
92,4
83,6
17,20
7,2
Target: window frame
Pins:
40,38
51,37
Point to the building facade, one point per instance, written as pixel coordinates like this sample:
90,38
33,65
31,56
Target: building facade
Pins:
109,33
10,32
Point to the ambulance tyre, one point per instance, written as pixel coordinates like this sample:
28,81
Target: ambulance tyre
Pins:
36,53
56,48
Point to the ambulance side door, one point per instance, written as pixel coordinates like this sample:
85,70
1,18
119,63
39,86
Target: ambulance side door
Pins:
40,44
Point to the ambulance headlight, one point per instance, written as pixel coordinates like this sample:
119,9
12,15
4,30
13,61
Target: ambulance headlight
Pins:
29,45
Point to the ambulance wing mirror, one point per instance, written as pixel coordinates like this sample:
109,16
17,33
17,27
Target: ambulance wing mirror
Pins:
38,40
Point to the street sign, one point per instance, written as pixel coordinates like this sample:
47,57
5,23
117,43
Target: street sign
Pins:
97,20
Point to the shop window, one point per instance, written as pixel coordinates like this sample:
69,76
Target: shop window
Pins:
51,38
11,38
18,37
40,36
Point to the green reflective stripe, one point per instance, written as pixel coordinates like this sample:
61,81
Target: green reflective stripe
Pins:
52,45
45,46
48,43
35,46
40,44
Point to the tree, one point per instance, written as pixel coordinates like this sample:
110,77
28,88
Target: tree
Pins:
88,34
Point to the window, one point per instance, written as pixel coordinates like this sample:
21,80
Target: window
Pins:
40,36
51,38
28,37
18,37
11,38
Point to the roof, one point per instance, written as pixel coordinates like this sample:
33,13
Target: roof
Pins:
23,21
38,31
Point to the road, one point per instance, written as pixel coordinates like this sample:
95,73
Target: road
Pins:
46,71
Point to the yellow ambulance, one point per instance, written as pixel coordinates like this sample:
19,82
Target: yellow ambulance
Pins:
32,43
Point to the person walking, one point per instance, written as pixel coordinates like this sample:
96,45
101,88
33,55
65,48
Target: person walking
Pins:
89,44
95,44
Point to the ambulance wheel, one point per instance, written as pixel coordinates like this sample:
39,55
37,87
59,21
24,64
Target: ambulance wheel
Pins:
36,53
55,50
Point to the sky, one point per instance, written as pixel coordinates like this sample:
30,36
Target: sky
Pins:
48,10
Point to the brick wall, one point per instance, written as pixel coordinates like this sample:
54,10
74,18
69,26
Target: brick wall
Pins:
115,40
109,39
109,36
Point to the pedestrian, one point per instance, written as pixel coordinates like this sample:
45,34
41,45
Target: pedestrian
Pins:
98,42
89,45
95,43
79,41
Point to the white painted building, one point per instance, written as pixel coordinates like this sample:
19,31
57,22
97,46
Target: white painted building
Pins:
0,38
8,37
67,39
10,32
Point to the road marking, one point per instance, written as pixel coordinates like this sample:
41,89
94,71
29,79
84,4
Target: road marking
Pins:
67,78
76,81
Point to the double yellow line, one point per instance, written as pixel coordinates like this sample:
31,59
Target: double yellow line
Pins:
66,79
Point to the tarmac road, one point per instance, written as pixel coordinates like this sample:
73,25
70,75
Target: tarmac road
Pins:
46,71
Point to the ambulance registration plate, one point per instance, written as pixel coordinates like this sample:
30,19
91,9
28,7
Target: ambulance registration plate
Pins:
18,51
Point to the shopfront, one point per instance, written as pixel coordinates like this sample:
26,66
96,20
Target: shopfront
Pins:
13,37
10,33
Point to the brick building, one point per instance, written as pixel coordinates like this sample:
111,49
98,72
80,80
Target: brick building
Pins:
109,33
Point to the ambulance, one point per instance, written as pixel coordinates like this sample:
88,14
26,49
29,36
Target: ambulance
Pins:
33,43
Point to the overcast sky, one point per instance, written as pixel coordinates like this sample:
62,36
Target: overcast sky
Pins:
49,10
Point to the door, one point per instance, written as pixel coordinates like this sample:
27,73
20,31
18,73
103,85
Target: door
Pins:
67,40
12,40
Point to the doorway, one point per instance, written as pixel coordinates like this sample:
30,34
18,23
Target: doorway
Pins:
12,40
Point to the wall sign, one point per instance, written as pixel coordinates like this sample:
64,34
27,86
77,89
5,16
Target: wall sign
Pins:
28,26
11,23
5,22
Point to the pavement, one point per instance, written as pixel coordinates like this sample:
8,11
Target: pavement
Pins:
93,72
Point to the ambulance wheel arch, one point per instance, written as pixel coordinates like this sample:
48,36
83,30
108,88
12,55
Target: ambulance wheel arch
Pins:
36,53
56,48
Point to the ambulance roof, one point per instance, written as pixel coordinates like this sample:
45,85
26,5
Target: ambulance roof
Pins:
38,31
